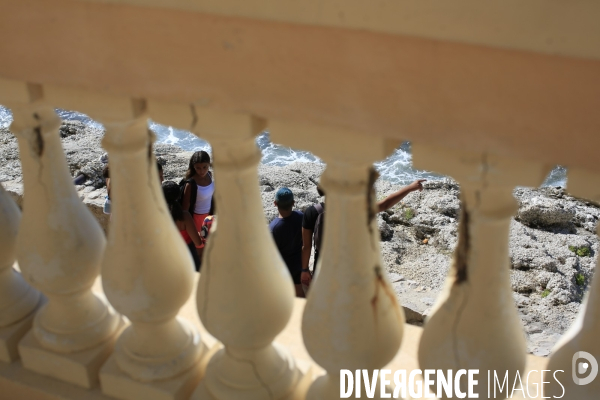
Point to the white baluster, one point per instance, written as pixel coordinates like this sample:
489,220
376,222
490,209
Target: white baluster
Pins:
59,248
245,294
474,324
148,275
18,300
580,345
352,319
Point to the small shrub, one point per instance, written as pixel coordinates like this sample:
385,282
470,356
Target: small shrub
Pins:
584,252
545,293
581,251
409,213
580,279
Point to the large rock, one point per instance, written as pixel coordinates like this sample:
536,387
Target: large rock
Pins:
553,209
10,164
84,153
385,231
546,213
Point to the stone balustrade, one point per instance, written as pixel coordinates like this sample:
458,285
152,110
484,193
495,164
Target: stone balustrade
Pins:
245,295
474,324
580,342
59,248
133,345
147,275
490,93
352,319
18,300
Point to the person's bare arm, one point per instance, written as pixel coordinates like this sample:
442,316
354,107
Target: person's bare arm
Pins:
190,228
107,180
187,195
394,198
307,236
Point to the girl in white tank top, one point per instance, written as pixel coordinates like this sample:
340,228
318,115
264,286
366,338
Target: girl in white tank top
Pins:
204,198
198,171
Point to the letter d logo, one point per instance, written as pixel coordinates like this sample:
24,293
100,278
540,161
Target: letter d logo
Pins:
581,367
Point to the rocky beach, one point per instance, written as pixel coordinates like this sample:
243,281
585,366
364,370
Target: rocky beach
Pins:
553,244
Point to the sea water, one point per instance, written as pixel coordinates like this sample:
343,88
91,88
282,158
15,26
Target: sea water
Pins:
397,168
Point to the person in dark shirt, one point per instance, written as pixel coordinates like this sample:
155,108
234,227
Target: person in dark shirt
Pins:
308,226
287,233
310,219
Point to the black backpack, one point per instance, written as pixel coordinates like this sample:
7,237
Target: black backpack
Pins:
318,232
193,193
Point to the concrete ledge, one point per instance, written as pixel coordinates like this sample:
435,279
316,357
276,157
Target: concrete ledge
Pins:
80,368
10,337
17,383
117,384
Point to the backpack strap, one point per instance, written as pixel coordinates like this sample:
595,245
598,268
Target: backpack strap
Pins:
318,230
193,194
319,208
213,209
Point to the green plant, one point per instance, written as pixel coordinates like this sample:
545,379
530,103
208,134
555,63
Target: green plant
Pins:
545,293
584,252
580,279
409,213
581,251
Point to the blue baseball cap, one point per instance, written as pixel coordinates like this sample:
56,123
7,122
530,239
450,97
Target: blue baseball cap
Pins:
284,196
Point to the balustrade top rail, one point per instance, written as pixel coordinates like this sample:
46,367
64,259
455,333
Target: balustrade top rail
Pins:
486,78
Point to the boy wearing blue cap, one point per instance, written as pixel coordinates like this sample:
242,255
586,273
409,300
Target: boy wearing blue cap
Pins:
287,233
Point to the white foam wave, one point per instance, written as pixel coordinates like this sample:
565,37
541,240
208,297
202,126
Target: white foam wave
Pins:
397,168
5,117
274,154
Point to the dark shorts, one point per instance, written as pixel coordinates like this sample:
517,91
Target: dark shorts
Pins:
194,254
296,276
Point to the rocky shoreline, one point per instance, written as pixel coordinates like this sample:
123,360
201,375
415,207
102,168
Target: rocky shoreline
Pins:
553,245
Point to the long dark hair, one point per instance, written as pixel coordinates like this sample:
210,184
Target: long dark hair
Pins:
197,158
171,192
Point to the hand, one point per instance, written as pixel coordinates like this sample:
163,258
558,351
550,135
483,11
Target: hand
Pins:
417,185
305,278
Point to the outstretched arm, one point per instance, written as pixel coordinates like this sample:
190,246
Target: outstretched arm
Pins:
394,198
